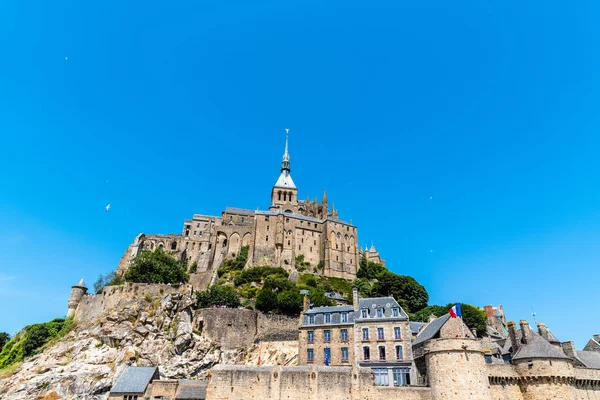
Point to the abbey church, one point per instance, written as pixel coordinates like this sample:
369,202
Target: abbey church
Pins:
289,228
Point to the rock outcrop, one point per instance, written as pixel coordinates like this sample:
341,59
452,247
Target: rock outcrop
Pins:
143,332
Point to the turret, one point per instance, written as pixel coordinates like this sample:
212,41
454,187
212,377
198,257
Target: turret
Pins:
325,205
77,292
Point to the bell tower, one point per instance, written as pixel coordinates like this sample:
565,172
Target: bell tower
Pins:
284,194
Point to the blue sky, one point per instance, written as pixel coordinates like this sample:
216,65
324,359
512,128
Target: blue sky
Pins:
462,139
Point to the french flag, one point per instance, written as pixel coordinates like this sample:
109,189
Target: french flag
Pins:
455,311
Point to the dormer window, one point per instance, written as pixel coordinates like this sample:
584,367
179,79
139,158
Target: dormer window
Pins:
364,313
379,313
395,312
328,318
344,317
311,318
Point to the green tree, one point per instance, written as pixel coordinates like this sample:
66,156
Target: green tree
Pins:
363,286
108,279
289,302
4,338
423,314
218,295
369,269
318,299
473,316
406,290
157,267
35,337
266,300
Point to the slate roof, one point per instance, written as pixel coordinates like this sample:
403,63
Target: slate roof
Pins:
591,359
537,347
335,296
415,327
431,330
285,180
385,303
81,284
191,390
135,380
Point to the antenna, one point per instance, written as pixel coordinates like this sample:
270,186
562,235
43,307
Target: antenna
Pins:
533,314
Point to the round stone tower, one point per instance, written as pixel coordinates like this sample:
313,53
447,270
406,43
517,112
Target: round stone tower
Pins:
456,369
77,292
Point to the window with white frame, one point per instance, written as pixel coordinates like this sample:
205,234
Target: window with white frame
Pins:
397,333
344,354
327,318
401,376
344,317
399,353
310,354
365,333
381,376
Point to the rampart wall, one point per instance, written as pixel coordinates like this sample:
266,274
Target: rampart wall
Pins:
229,382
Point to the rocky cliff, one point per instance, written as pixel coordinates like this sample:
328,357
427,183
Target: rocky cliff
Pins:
164,331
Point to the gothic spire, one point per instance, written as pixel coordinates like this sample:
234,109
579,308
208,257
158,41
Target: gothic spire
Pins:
285,163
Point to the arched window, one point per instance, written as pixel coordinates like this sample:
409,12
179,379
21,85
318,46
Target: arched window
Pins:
174,246
291,196
279,195
284,196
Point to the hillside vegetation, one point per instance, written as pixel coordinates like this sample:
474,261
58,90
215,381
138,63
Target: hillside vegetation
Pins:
32,339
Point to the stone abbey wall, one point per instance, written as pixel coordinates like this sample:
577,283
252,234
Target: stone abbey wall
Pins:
233,328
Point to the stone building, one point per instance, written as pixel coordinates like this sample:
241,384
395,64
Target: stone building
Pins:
372,333
290,227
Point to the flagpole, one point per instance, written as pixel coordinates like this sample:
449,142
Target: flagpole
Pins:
462,323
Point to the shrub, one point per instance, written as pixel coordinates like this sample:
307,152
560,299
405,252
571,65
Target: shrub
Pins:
194,267
266,300
257,274
237,264
156,267
218,295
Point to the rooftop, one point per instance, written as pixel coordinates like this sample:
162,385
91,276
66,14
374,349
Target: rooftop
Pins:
135,380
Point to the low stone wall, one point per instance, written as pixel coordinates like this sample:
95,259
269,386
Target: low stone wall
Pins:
302,383
233,328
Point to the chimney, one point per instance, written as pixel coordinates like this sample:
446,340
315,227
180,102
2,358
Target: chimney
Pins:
489,311
569,349
474,332
525,331
512,334
355,298
597,337
542,330
305,304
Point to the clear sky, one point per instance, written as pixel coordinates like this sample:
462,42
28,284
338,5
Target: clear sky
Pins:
461,138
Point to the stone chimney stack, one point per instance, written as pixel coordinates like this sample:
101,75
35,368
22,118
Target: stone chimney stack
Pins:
512,334
501,310
305,304
474,332
597,337
525,331
542,330
569,349
355,298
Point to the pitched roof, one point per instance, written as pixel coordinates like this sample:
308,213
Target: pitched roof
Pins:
537,347
415,327
191,390
432,329
591,359
135,380
285,180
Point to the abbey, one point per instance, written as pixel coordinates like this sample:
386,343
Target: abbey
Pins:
289,228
